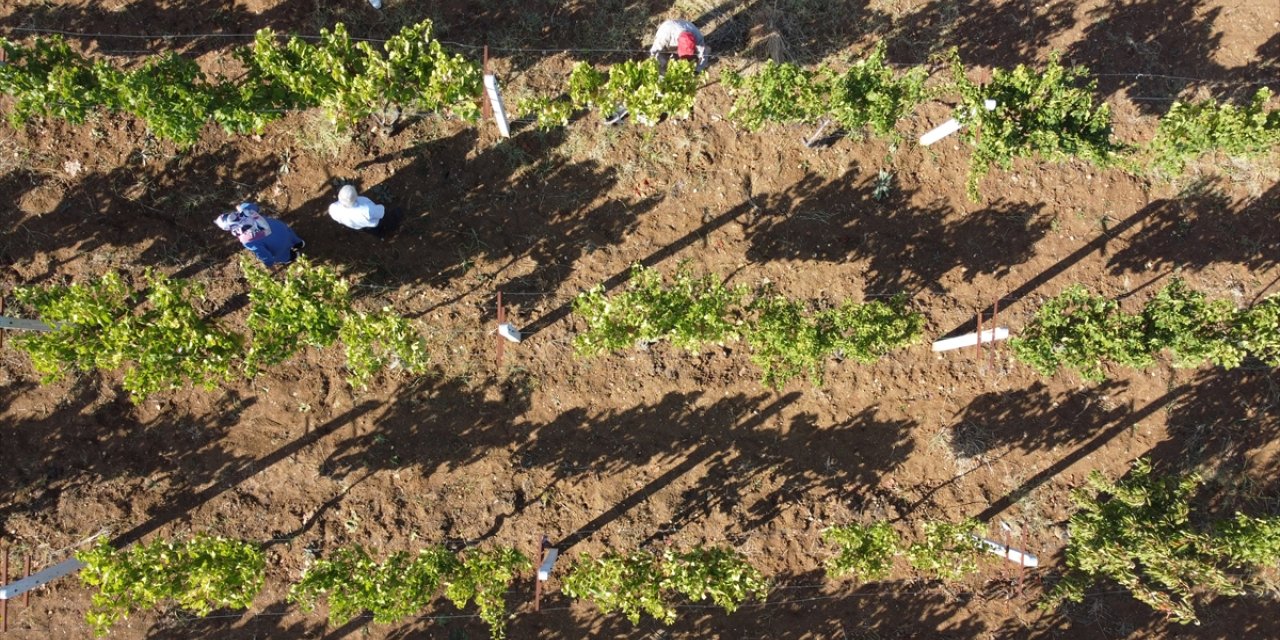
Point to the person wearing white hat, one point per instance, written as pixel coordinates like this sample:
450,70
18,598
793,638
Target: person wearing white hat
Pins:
357,212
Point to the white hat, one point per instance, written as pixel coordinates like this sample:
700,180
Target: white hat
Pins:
347,195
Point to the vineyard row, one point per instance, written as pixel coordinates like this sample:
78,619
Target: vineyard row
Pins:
1049,112
162,342
1137,532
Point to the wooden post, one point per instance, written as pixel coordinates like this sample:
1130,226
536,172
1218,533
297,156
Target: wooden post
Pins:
485,108
26,597
995,322
979,356
502,342
537,579
4,604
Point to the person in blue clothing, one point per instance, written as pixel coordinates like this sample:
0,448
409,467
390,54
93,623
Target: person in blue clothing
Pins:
271,240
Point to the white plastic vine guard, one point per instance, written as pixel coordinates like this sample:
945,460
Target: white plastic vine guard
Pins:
377,4
499,109
23,324
1015,556
508,331
971,339
544,572
39,578
950,126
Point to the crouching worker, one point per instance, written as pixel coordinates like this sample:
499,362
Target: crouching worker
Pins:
357,212
271,240
686,41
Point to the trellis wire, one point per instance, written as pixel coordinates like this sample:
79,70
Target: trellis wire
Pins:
178,36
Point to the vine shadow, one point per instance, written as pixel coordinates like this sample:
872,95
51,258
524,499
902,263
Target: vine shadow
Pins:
1201,229
1128,45
139,204
83,445
512,201
985,34
906,247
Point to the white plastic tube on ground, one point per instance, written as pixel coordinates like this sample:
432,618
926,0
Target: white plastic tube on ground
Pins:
941,131
971,339
499,109
949,127
1015,556
39,578
508,331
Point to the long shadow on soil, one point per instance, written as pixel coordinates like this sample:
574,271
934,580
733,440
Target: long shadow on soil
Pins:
151,206
1220,418
1124,40
906,247
1126,45
503,24
82,443
1196,230
716,454
985,33
514,201
230,473
1222,423
1202,228
1228,427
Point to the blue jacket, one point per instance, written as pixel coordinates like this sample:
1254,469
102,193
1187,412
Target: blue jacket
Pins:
277,247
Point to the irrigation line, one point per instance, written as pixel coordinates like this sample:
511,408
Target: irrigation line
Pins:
177,36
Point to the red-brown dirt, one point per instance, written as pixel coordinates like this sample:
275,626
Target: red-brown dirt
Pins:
658,446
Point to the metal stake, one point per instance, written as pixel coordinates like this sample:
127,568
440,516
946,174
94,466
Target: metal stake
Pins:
502,342
979,345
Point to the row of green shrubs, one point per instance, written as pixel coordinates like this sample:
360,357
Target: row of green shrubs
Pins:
1138,532
162,341
1076,329
785,338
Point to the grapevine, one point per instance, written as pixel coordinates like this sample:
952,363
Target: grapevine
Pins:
482,577
198,575
82,317
1083,331
304,308
637,87
1138,532
690,312
787,341
643,583
1190,130
161,345
376,341
1038,112
866,551
353,582
948,550
48,78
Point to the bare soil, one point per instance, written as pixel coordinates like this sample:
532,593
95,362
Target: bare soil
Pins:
655,447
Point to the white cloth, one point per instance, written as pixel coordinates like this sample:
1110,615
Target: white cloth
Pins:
669,33
364,215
